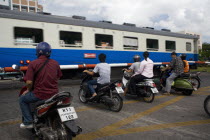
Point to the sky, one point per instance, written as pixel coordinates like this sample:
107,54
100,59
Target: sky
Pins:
176,15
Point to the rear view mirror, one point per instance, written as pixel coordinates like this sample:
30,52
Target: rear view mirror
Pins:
15,67
161,67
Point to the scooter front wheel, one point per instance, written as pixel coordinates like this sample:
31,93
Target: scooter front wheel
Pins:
82,97
150,96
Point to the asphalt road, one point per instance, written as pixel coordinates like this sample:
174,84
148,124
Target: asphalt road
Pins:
174,117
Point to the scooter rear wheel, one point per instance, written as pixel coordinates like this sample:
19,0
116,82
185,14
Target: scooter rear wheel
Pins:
150,98
195,82
118,103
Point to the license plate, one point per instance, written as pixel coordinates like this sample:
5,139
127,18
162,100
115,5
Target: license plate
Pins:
119,90
154,90
67,113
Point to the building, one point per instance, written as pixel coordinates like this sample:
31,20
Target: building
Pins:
21,5
199,42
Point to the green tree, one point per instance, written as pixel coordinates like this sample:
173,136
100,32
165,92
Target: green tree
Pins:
204,54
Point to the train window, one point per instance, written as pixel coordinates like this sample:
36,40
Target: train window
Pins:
170,45
70,39
152,44
188,46
130,43
28,36
104,41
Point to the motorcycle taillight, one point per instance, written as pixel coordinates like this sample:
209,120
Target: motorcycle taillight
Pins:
118,85
153,84
43,109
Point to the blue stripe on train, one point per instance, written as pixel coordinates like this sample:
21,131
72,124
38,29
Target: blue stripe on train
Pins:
9,56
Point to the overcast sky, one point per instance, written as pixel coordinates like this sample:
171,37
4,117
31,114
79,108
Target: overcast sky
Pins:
177,15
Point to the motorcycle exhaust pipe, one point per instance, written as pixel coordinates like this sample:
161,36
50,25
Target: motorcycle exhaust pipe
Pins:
107,100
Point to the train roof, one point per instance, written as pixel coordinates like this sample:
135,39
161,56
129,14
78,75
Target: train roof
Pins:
86,23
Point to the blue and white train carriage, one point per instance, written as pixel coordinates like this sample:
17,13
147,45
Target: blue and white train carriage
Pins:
76,40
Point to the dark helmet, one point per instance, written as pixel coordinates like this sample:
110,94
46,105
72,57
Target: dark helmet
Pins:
183,56
136,58
43,48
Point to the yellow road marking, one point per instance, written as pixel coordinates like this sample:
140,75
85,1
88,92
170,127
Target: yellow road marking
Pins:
156,127
10,122
107,129
80,109
84,108
136,101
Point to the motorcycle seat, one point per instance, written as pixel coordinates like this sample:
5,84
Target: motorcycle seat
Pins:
101,86
184,75
33,106
40,103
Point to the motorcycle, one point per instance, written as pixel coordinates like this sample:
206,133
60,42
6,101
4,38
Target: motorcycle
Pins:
145,89
107,94
207,105
181,83
53,119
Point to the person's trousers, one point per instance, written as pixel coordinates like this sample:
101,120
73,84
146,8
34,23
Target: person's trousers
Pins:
135,79
90,85
169,81
24,102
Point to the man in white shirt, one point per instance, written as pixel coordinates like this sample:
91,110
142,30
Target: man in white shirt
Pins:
145,72
104,71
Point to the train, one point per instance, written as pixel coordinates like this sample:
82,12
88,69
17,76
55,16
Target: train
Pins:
76,40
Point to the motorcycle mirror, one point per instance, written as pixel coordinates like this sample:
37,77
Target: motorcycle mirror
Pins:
84,65
161,67
15,67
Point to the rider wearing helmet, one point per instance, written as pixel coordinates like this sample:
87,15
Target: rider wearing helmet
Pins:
133,68
145,71
41,85
136,65
185,62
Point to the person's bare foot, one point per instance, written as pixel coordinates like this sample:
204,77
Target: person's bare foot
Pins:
94,94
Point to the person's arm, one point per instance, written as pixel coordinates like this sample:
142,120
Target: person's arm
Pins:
95,70
128,70
89,72
171,65
60,74
29,78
